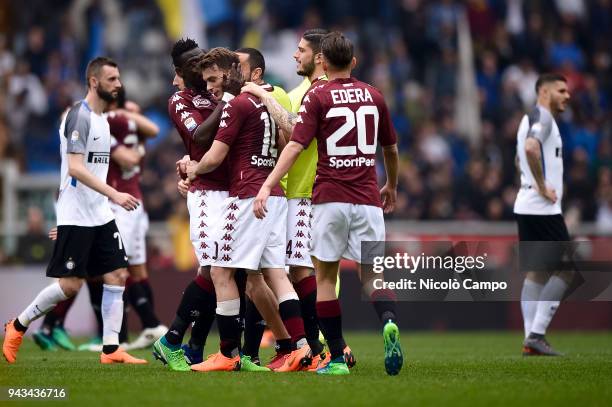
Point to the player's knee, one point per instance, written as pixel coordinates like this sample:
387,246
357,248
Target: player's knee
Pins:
220,276
299,273
138,272
70,286
117,277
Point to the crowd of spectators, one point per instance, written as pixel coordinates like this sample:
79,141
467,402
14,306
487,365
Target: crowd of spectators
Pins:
406,48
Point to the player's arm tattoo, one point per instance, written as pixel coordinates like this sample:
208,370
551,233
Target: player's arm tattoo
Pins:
206,131
534,159
286,120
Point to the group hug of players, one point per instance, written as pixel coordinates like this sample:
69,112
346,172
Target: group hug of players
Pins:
272,181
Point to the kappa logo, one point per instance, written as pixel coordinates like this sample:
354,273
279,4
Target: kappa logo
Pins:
226,248
203,214
302,213
233,207
222,124
226,257
204,246
229,227
176,98
299,234
231,216
184,115
225,114
298,255
205,256
203,235
300,224
179,107
227,237
203,204
203,224
303,202
299,245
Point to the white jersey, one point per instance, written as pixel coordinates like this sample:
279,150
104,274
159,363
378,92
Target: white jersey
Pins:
540,124
83,132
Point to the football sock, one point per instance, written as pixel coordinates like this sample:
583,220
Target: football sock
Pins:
95,298
289,310
383,301
228,321
283,346
138,298
112,313
206,316
44,302
529,302
550,298
56,316
254,326
306,290
198,299
330,321
148,291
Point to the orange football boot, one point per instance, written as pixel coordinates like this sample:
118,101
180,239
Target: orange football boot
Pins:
319,362
217,362
297,360
12,341
120,356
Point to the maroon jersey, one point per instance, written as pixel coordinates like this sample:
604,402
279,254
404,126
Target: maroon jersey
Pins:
247,128
188,110
124,133
348,118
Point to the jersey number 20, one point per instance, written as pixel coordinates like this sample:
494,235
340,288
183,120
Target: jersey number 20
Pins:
359,118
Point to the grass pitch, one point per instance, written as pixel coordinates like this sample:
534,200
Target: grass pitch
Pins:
468,369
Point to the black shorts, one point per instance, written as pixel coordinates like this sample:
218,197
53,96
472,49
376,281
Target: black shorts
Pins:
543,242
87,251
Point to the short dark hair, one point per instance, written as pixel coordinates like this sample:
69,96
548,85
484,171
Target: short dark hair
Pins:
548,78
95,66
256,58
337,49
222,57
314,37
180,47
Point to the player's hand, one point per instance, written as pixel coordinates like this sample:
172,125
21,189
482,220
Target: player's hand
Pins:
191,169
549,194
126,201
233,81
389,197
253,88
53,234
183,187
181,167
259,205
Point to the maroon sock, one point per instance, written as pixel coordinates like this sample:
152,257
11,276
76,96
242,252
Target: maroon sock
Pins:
307,292
330,321
292,319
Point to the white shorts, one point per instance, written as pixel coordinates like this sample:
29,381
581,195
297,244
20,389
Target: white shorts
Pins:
299,216
250,243
338,229
205,209
133,227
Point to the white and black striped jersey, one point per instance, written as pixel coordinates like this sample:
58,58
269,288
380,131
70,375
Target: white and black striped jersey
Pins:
540,123
83,131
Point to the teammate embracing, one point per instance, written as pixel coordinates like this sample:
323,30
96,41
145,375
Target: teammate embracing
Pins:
348,119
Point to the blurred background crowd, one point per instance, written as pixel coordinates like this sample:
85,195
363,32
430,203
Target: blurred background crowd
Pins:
410,49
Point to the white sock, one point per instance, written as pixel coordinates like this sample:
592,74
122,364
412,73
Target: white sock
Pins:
44,302
112,313
550,298
529,302
228,308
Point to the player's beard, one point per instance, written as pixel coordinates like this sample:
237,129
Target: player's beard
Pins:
105,95
308,69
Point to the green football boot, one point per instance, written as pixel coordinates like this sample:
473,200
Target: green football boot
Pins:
394,358
336,367
175,359
44,341
94,345
60,336
247,365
